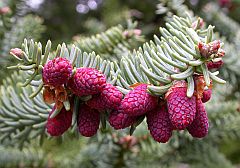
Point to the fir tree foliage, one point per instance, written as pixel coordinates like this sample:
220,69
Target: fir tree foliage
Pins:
174,56
14,28
112,43
227,29
28,157
21,118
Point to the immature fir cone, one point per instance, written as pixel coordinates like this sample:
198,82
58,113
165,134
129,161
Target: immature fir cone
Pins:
109,98
206,50
96,102
87,81
182,110
138,102
206,95
58,125
159,124
199,127
57,72
88,121
215,65
119,120
16,51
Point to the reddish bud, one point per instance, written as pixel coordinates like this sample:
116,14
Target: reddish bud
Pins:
206,50
138,102
88,121
119,120
215,65
4,10
206,95
57,72
195,24
182,109
17,52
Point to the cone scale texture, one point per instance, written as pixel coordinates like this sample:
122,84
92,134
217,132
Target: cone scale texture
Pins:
120,120
87,81
109,98
57,72
200,125
159,124
58,125
206,96
138,102
182,110
88,121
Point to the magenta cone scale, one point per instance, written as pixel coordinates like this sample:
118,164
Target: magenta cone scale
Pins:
120,120
200,125
109,98
159,124
138,102
88,121
87,81
182,110
58,125
57,72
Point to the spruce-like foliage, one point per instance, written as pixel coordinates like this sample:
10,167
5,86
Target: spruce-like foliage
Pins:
14,28
174,56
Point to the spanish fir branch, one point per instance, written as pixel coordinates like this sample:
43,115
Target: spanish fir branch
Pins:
171,7
157,63
22,118
28,26
224,25
197,154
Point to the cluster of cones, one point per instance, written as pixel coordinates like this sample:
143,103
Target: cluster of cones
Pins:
62,85
172,111
175,111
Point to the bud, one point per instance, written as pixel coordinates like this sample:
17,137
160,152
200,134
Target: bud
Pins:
128,141
129,33
198,24
220,53
199,127
206,95
137,32
17,52
182,109
215,65
206,50
4,10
